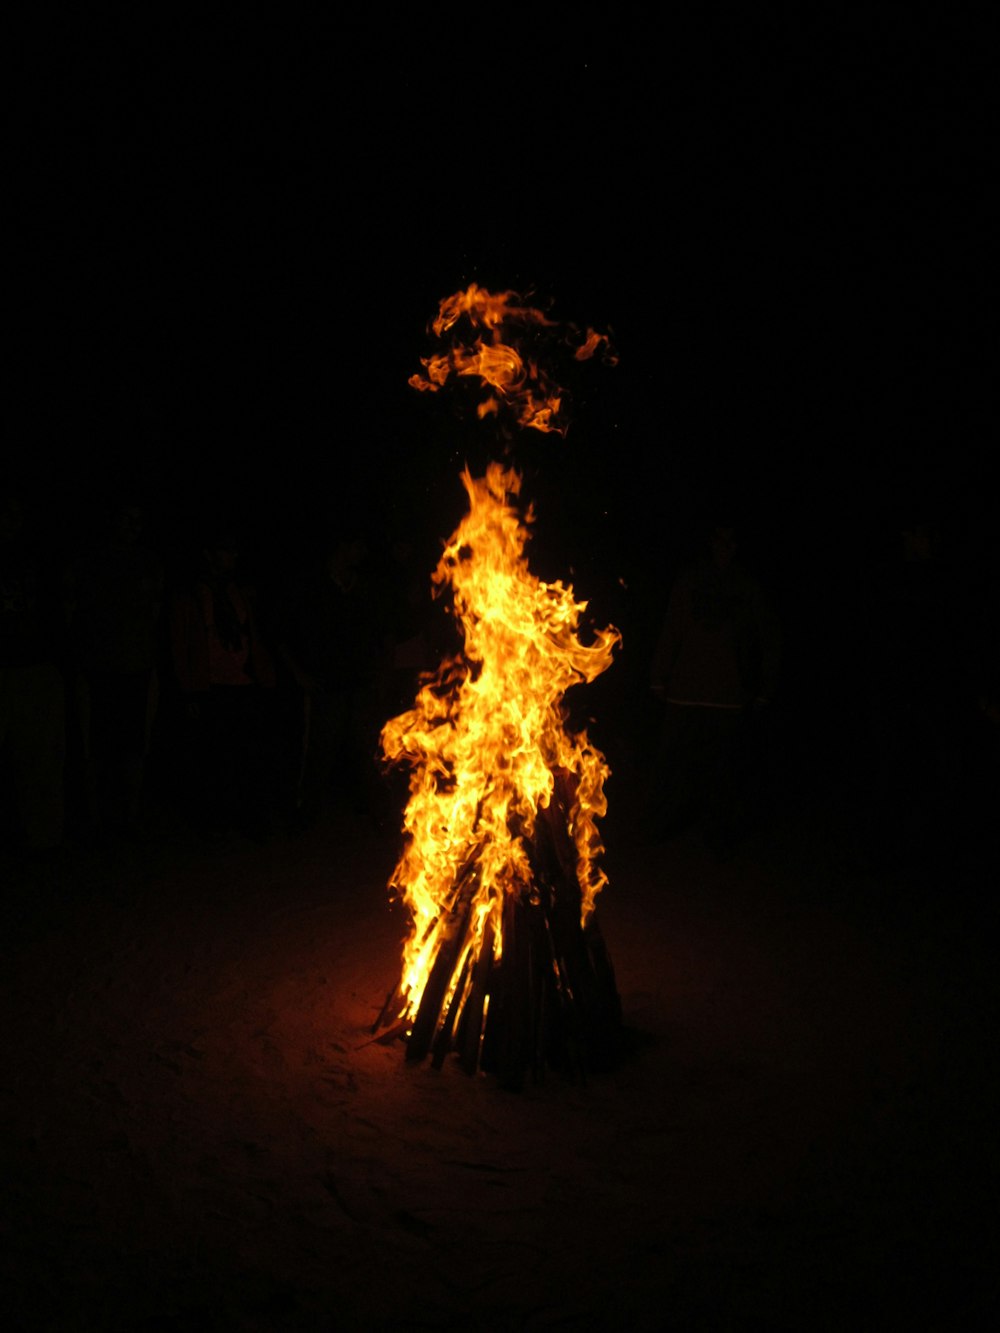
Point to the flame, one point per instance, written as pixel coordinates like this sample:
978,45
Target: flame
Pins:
487,743
511,380
500,865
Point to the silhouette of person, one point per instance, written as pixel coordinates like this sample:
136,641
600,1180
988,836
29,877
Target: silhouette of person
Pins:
225,673
922,699
118,599
336,647
32,692
715,663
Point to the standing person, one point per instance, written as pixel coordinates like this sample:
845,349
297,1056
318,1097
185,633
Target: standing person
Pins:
922,700
337,648
225,674
118,598
32,693
715,664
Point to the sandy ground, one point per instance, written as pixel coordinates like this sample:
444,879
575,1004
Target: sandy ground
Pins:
199,1133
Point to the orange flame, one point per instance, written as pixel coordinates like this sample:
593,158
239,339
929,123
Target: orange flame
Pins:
486,735
502,821
511,380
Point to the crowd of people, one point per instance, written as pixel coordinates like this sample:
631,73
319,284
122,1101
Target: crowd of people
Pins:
884,705
235,695
241,691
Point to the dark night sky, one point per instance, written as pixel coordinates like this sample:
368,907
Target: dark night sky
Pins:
231,242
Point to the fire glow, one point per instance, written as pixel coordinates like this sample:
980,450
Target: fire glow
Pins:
500,867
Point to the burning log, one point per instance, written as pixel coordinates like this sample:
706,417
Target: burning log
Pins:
504,965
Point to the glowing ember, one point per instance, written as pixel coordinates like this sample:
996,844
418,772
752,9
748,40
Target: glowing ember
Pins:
504,799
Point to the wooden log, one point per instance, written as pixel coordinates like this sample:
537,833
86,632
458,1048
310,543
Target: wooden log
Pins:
555,820
550,999
512,1014
429,1010
564,1047
470,1034
395,994
442,1041
459,890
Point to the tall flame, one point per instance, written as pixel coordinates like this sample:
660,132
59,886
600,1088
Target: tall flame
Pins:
499,870
487,740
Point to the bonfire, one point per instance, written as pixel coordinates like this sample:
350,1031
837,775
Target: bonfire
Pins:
504,965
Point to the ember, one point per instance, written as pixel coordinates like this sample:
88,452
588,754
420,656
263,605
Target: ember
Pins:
504,963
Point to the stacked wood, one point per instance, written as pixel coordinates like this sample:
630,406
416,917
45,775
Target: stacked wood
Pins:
549,999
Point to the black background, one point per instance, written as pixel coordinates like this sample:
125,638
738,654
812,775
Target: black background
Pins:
230,237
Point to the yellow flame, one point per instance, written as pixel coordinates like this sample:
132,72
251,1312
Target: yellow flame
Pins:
486,739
